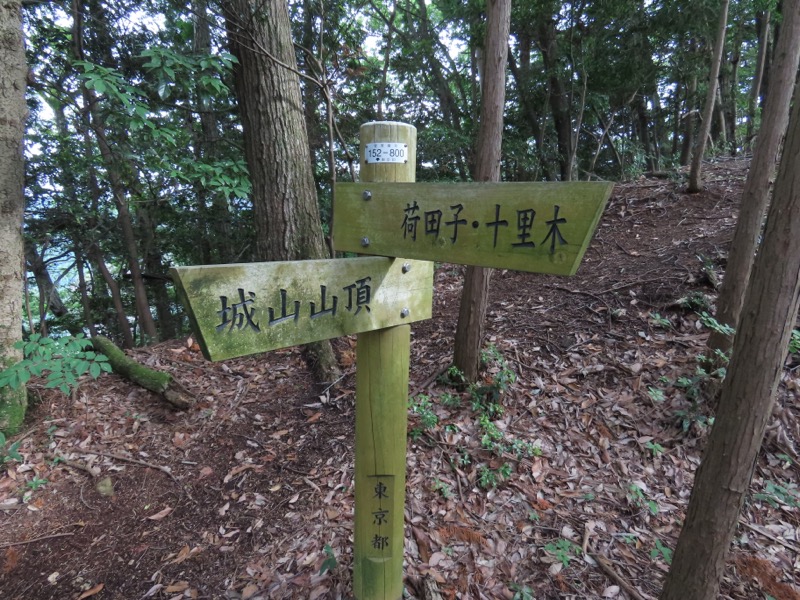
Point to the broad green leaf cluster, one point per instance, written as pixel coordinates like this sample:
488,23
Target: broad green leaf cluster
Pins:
61,361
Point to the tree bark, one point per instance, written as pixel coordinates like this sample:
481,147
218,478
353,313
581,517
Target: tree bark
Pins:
755,196
695,173
762,26
111,162
49,298
558,95
475,296
13,112
286,212
748,393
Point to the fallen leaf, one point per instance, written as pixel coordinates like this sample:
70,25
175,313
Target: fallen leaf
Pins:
91,592
206,472
181,586
160,514
249,591
12,558
314,418
105,487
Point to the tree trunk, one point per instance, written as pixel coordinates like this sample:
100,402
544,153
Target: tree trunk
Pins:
695,173
82,289
689,120
13,75
475,296
49,297
748,393
119,309
111,162
286,213
559,98
214,220
762,26
755,196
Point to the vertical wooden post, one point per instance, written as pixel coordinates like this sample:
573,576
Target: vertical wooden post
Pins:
387,153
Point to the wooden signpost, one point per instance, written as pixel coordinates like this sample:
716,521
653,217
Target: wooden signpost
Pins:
246,308
535,227
255,307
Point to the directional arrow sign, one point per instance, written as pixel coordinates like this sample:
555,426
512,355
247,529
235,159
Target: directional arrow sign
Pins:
535,227
243,309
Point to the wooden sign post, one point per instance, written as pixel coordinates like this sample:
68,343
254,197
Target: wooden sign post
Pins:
247,308
388,154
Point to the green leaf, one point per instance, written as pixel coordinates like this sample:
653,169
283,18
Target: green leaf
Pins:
95,370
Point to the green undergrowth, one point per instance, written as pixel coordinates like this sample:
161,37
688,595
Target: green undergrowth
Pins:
473,407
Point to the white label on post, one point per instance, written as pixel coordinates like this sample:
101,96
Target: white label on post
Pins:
386,152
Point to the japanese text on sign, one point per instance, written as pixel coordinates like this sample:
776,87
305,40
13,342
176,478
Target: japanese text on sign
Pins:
241,314
523,232
381,495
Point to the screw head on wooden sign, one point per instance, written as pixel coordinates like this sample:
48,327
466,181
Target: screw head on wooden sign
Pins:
534,227
243,309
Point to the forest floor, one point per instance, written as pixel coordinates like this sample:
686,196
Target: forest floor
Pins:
577,490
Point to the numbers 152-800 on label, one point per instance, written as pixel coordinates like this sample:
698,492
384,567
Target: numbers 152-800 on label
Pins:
386,152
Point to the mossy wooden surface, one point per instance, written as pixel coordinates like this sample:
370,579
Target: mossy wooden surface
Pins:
380,462
381,416
154,380
501,225
279,304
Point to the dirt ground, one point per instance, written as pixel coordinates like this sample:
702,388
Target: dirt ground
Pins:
250,492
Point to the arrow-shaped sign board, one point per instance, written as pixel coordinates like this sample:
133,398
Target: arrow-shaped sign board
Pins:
241,309
534,227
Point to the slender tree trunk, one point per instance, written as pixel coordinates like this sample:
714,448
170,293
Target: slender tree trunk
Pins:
643,127
215,245
762,26
689,120
122,320
559,98
732,93
110,161
695,173
755,196
286,213
154,270
748,393
48,292
82,289
13,76
475,296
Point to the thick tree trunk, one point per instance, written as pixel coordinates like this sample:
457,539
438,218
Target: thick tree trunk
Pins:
13,74
755,196
475,296
695,173
748,393
286,213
